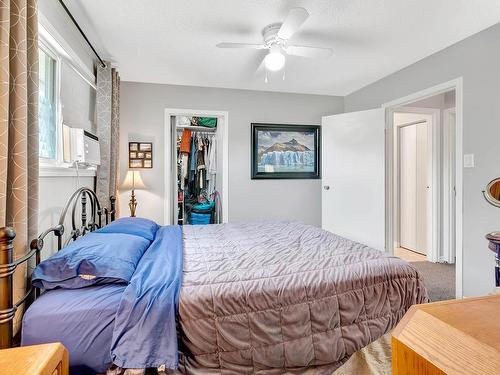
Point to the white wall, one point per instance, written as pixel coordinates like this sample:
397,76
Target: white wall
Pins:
477,60
142,119
54,192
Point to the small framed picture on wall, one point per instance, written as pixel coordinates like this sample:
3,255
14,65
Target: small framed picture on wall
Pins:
140,155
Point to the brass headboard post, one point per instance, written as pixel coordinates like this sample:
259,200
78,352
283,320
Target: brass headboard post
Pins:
7,236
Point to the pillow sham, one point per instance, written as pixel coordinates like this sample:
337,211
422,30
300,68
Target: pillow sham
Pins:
96,258
132,225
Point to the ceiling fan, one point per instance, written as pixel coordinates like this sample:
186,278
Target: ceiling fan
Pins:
276,40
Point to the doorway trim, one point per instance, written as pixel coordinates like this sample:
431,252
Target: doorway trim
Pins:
433,172
457,85
169,153
449,251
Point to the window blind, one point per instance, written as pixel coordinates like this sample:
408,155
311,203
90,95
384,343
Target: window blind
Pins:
77,100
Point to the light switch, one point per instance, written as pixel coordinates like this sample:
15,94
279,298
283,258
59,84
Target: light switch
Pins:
469,161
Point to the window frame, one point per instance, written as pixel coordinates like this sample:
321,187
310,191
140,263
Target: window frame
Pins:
51,52
53,44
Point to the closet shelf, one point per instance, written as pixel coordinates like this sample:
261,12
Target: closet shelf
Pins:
197,128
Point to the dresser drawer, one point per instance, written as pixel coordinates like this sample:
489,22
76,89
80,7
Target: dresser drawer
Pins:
46,359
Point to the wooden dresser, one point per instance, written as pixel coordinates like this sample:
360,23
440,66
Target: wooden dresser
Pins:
449,337
46,359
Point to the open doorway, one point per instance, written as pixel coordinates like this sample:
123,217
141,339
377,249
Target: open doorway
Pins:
422,200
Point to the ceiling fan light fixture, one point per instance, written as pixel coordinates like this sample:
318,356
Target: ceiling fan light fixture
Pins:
275,60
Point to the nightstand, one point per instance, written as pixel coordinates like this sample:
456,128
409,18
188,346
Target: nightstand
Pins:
46,359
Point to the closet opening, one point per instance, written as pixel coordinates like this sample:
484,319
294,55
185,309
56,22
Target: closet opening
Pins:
196,165
424,190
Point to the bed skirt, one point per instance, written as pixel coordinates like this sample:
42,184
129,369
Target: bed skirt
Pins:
373,359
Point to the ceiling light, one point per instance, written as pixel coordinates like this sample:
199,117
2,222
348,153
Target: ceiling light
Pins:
275,60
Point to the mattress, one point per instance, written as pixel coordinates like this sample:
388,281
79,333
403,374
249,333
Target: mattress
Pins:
269,298
82,319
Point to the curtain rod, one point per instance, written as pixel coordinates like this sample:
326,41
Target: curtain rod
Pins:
81,32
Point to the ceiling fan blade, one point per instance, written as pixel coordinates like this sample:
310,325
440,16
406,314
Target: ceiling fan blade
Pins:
241,45
261,69
295,18
311,52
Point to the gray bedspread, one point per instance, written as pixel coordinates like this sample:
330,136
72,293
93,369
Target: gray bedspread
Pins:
281,297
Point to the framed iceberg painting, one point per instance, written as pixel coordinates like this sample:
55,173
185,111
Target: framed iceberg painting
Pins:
285,151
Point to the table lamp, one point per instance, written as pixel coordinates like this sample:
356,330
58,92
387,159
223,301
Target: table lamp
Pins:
133,181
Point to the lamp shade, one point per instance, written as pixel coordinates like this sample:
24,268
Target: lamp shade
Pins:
133,180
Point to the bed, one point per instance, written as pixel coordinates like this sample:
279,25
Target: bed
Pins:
258,297
248,298
81,319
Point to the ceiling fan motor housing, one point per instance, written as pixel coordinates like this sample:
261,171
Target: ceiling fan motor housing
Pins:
270,34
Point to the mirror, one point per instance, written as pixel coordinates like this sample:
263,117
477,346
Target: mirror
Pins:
492,192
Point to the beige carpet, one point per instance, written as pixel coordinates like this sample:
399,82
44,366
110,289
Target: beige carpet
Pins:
439,279
374,359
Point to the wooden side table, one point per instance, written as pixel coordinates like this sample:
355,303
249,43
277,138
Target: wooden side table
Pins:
46,359
449,337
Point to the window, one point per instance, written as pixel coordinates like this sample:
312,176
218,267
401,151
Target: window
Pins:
47,119
66,99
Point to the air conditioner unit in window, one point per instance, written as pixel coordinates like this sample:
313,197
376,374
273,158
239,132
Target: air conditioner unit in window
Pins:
81,147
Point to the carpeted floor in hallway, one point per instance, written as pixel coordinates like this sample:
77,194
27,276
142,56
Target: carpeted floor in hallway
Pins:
439,278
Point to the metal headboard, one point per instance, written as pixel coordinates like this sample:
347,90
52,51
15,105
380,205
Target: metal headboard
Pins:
89,219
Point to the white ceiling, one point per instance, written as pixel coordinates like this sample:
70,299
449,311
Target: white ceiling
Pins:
173,41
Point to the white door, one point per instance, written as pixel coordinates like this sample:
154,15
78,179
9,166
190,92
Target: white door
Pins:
353,176
408,187
414,184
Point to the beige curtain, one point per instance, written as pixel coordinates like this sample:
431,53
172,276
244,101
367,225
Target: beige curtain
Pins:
108,131
19,126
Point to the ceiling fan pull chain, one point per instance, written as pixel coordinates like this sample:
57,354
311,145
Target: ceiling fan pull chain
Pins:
266,80
284,74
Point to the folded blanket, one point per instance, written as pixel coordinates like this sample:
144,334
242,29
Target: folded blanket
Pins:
145,324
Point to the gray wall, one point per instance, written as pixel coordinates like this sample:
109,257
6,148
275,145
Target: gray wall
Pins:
477,60
142,118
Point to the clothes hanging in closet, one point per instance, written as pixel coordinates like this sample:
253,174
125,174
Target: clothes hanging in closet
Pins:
184,148
212,165
198,166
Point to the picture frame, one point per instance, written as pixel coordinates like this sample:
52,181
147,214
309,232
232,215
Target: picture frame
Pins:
285,151
140,155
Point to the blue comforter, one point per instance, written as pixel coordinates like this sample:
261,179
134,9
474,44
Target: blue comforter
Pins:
145,324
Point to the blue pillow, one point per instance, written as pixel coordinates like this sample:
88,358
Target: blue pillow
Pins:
96,258
132,225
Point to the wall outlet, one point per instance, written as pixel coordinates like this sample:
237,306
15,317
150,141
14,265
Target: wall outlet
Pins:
469,161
